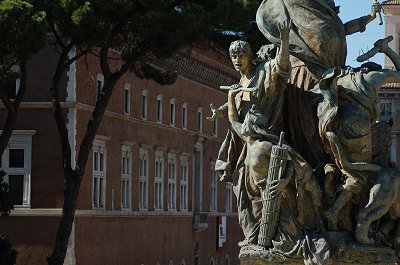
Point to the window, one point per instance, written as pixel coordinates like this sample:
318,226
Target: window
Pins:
200,119
159,108
215,127
99,174
213,192
184,115
16,163
127,99
126,177
228,196
144,104
226,260
172,112
171,182
385,109
10,88
212,261
143,178
184,184
158,181
183,262
198,177
99,84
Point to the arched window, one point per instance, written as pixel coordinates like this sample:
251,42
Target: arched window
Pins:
212,261
183,262
170,262
227,262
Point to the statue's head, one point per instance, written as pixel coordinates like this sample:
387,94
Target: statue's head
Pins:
334,7
366,68
241,55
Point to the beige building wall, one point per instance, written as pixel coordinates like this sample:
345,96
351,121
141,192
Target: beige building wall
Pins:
389,94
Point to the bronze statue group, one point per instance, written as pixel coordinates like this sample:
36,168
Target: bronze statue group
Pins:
321,187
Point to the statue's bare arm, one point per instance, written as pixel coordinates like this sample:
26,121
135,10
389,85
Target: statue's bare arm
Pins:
282,58
381,77
359,24
218,112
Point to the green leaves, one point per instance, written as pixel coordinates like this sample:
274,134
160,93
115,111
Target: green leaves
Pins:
22,30
8,255
135,27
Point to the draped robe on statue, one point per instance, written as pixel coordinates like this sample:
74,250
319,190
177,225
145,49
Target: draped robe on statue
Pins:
317,43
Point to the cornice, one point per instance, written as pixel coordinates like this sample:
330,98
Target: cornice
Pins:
196,70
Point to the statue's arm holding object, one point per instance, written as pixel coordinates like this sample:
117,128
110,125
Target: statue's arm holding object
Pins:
359,24
381,77
218,112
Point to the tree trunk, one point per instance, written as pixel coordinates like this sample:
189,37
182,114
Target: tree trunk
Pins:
74,177
12,108
71,192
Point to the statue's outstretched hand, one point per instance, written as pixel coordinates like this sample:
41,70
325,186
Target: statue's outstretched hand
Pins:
216,113
375,9
284,30
235,89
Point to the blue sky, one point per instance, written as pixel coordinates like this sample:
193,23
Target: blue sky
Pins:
350,9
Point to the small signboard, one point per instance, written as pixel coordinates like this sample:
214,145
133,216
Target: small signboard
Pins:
221,233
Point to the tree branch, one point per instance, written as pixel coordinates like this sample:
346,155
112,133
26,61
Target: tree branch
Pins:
12,108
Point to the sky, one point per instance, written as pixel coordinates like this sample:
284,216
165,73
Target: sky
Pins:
358,42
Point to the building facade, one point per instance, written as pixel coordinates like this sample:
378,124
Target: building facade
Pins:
389,94
150,194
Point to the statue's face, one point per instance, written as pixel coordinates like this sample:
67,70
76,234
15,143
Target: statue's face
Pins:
241,62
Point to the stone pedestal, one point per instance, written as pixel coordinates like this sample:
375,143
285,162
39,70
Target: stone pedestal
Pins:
352,254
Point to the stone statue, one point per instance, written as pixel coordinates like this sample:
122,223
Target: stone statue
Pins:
328,112
317,43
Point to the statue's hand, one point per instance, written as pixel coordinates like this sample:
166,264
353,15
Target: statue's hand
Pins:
235,86
284,30
235,89
216,113
375,9
278,186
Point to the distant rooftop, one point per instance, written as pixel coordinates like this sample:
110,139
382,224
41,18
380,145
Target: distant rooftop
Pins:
391,85
391,2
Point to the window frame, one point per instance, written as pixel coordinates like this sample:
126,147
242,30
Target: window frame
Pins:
229,197
99,80
215,127
126,176
20,141
184,116
159,108
172,110
144,104
172,181
383,103
127,99
99,175
213,188
143,179
184,184
159,181
200,119
17,83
